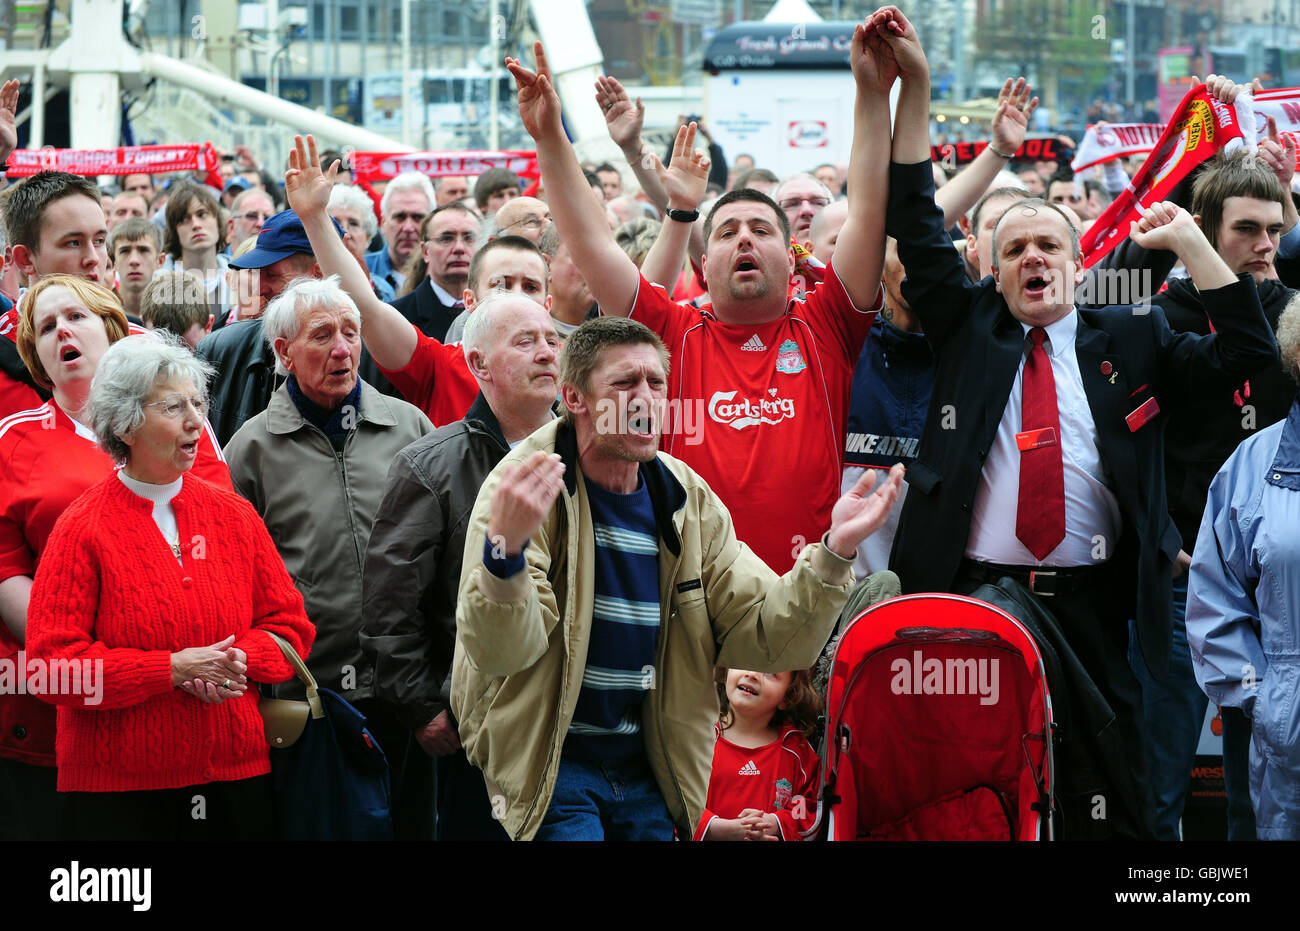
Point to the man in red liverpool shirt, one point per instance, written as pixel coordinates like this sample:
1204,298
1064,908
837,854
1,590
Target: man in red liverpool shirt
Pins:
759,384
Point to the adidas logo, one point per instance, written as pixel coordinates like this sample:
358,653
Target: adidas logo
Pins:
754,344
749,769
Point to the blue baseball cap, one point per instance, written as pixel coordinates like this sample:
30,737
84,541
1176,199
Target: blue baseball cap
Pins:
280,237
237,184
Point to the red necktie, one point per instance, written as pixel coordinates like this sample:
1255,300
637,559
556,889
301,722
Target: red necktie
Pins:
1040,509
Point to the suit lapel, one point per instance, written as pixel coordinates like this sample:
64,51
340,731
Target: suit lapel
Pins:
1104,382
1005,351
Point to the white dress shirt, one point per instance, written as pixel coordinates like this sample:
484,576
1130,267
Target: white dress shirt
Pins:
1092,518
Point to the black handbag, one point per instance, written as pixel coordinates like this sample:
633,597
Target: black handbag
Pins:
329,775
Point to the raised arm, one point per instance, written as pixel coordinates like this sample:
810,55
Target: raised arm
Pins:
8,118
389,336
623,119
936,287
685,181
863,233
1010,124
578,217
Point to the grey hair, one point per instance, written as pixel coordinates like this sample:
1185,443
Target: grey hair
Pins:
802,175
482,327
127,375
351,197
1288,337
282,319
408,181
1035,204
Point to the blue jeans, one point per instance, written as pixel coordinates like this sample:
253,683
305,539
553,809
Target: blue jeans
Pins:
1174,710
611,800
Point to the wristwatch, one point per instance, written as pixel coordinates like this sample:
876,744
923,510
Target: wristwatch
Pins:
683,216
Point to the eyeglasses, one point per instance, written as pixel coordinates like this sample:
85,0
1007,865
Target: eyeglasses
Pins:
254,216
173,406
816,201
448,239
407,217
532,223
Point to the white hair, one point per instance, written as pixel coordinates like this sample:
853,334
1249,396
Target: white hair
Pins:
408,181
483,325
127,374
283,317
1288,337
351,197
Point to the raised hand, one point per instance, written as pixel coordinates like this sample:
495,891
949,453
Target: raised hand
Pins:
872,59
522,500
539,104
861,511
1011,121
1223,88
686,179
8,118
1278,152
901,37
623,118
1164,225
305,185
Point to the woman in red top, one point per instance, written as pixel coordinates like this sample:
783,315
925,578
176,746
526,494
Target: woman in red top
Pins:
151,611
48,458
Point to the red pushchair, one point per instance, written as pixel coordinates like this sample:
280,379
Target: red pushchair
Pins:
938,726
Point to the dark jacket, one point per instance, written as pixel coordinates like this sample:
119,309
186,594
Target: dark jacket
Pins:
1087,746
1199,440
245,376
430,315
413,561
1126,357
891,393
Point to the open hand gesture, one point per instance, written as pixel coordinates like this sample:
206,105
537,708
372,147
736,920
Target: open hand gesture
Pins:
1011,121
686,179
1278,153
522,500
8,118
305,185
539,104
861,512
623,118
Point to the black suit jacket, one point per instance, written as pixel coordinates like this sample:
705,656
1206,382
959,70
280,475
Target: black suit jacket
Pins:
430,315
978,348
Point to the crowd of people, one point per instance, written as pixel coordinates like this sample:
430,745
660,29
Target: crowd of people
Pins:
564,482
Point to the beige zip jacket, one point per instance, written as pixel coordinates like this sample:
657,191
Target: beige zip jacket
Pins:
521,643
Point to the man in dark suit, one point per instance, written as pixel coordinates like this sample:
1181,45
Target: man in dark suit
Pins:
1042,456
448,239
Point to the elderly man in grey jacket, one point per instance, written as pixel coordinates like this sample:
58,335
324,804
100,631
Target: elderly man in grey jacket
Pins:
414,562
313,464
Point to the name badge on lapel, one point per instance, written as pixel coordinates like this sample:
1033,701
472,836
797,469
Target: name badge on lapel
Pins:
1143,415
1034,439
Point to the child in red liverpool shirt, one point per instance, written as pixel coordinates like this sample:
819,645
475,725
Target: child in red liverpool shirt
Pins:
764,780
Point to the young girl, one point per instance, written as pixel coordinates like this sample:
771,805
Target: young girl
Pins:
764,781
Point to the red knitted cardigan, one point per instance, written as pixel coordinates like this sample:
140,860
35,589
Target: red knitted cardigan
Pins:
110,595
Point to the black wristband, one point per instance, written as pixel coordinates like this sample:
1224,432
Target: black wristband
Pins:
684,216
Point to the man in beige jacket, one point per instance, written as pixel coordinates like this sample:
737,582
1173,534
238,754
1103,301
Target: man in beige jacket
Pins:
583,679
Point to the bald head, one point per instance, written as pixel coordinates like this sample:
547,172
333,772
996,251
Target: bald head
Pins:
825,229
524,216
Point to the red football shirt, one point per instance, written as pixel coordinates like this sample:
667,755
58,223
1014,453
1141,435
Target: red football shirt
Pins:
759,411
436,380
780,778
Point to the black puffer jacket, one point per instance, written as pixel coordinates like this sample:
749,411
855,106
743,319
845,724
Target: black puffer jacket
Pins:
1199,438
413,561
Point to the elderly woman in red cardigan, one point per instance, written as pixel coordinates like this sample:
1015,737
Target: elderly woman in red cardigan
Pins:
153,601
